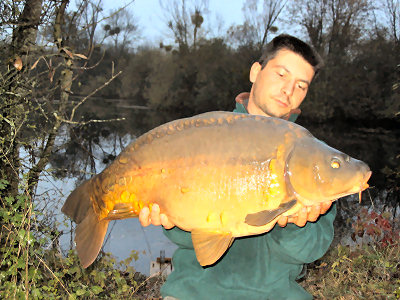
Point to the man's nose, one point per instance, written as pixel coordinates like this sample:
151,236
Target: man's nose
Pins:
288,87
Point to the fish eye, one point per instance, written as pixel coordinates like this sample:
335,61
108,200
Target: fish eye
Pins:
335,163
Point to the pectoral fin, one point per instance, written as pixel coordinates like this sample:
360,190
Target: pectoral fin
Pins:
210,245
264,217
121,211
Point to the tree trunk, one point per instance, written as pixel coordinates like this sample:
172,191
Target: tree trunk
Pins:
13,114
65,86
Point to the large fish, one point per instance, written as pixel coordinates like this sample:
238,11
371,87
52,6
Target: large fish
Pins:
219,175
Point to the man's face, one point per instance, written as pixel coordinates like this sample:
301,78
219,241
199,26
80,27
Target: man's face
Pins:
281,85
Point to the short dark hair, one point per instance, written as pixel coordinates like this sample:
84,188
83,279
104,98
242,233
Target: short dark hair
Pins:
285,41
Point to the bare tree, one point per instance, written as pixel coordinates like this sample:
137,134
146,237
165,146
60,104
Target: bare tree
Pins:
392,10
185,19
241,35
121,28
90,12
15,86
261,18
315,23
332,26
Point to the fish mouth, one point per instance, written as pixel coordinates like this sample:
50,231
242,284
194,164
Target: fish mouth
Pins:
368,176
358,188
364,183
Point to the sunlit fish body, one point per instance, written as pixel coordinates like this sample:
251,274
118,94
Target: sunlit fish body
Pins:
219,175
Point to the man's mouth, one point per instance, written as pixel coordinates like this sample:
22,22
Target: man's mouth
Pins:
281,103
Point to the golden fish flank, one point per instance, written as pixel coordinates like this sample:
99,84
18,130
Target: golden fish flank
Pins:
123,159
211,217
184,190
223,216
124,197
211,184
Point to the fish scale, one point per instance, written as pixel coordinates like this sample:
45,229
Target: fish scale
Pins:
219,175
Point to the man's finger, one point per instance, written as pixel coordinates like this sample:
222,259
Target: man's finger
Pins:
302,217
155,215
144,216
165,222
282,221
314,213
325,206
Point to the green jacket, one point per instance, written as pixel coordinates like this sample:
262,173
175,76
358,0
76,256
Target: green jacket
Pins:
255,267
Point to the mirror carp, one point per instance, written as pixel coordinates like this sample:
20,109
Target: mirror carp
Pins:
219,175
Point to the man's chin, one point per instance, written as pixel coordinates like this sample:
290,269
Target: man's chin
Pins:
279,114
275,112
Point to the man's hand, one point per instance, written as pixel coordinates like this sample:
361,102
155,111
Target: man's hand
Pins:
306,214
154,217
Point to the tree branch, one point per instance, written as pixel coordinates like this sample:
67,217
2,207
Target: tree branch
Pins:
91,94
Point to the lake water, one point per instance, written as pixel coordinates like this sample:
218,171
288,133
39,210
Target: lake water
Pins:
123,236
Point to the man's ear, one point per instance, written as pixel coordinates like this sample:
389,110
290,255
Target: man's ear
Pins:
255,68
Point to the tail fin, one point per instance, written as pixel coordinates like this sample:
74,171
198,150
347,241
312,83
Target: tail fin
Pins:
89,236
90,232
78,203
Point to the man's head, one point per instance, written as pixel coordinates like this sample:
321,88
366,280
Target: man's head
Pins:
288,42
282,76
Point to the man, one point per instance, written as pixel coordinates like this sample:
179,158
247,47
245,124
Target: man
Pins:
263,266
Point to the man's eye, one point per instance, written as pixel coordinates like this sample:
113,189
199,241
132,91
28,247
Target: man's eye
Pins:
281,72
301,86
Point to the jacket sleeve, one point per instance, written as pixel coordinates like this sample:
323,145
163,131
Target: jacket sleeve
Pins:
291,244
183,239
299,245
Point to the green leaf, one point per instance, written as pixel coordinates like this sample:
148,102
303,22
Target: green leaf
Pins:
80,292
124,287
73,270
388,264
3,184
96,289
35,293
21,234
21,262
9,200
71,297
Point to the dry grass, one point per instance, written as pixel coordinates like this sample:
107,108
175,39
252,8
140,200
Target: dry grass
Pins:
367,272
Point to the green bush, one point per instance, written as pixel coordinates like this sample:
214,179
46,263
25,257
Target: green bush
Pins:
32,268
